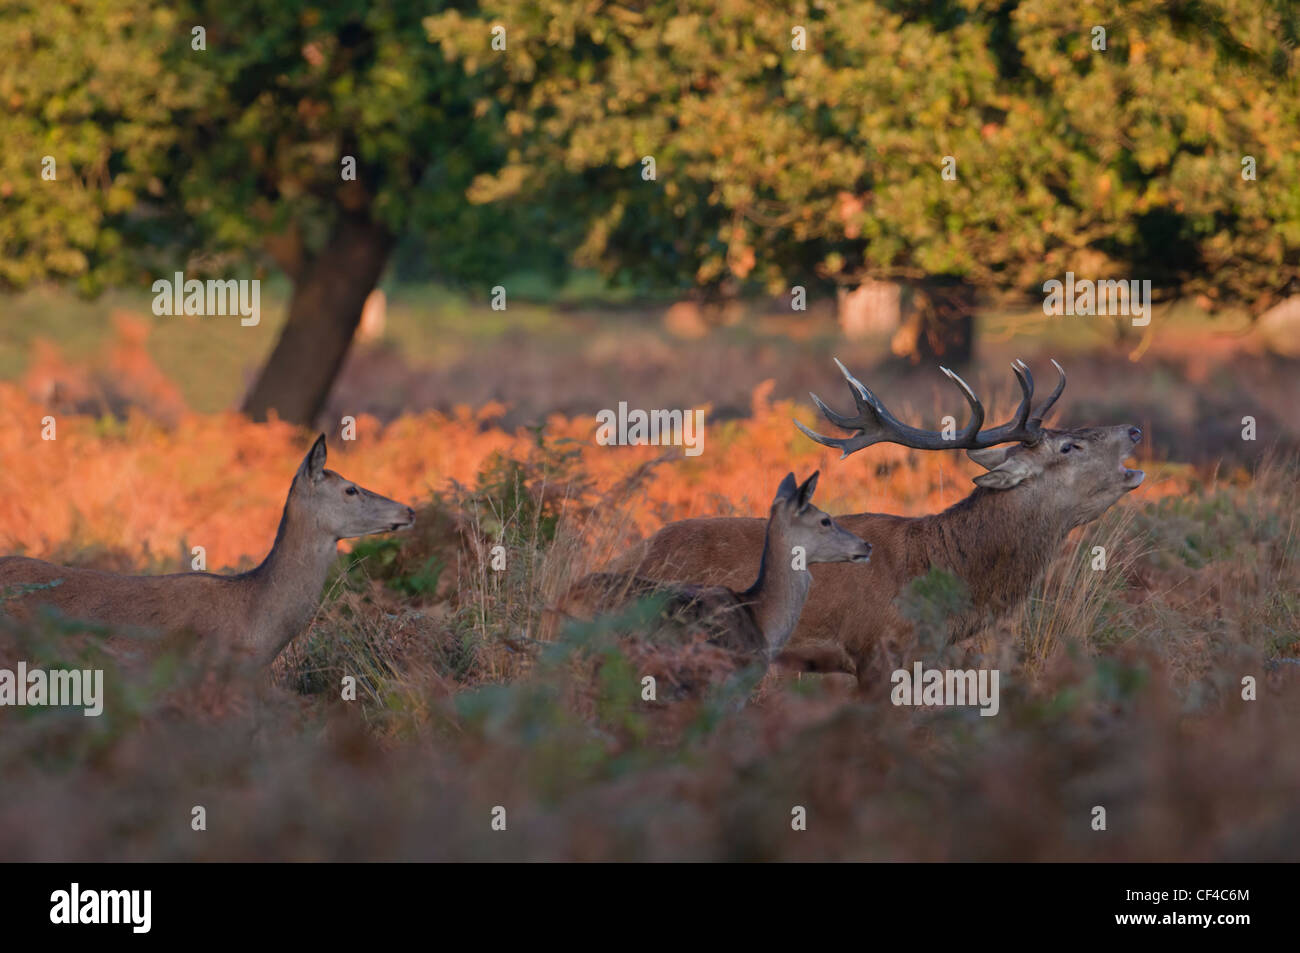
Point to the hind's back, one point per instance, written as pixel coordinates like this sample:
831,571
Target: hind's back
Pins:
172,602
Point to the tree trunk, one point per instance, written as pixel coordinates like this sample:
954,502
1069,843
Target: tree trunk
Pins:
873,307
323,315
941,325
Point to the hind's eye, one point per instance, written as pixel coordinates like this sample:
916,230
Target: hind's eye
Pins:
826,521
351,491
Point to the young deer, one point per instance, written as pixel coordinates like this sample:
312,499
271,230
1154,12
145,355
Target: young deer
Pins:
754,623
258,612
998,540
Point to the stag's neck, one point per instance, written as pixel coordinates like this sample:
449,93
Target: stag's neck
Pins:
998,541
285,590
778,594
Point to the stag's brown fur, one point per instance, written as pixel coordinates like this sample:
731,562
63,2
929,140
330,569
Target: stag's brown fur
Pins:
755,622
997,541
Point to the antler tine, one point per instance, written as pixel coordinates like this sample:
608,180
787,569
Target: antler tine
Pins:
869,416
1018,427
1037,421
976,409
874,423
839,443
862,395
869,408
879,415
892,427
1026,379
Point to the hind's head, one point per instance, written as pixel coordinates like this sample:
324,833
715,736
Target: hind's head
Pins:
338,507
799,523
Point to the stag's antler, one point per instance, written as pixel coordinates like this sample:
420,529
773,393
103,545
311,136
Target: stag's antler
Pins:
875,424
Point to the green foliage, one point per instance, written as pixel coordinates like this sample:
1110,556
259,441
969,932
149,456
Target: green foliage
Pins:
520,502
1104,681
86,84
209,159
1147,140
778,166
929,601
296,88
63,738
380,558
775,166
1215,528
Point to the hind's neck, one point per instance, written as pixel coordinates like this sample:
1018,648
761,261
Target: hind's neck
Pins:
778,594
284,591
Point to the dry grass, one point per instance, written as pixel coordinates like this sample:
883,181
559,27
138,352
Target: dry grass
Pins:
1121,687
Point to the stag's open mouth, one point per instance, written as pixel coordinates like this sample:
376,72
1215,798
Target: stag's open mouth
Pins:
861,558
1132,478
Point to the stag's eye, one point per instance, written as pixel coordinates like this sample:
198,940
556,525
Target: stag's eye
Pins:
1070,446
351,491
826,521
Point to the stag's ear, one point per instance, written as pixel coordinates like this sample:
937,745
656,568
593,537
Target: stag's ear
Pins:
313,465
990,457
806,491
788,491
1008,473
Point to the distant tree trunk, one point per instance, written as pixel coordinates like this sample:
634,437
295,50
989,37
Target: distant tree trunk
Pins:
328,294
873,307
941,325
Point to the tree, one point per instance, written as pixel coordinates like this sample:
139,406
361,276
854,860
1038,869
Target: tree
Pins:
215,135
87,118
964,146
961,146
337,128
1176,150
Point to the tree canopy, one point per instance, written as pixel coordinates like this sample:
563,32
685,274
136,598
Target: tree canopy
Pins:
88,118
779,165
728,145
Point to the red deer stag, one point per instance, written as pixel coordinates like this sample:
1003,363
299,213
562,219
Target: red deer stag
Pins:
998,540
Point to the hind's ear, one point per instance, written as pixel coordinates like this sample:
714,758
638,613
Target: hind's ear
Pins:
788,491
806,490
313,465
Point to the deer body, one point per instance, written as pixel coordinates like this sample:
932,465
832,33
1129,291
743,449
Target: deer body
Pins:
998,540
754,622
852,606
257,612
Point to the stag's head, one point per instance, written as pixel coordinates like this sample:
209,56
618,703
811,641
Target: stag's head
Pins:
336,507
1083,469
1077,473
799,523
